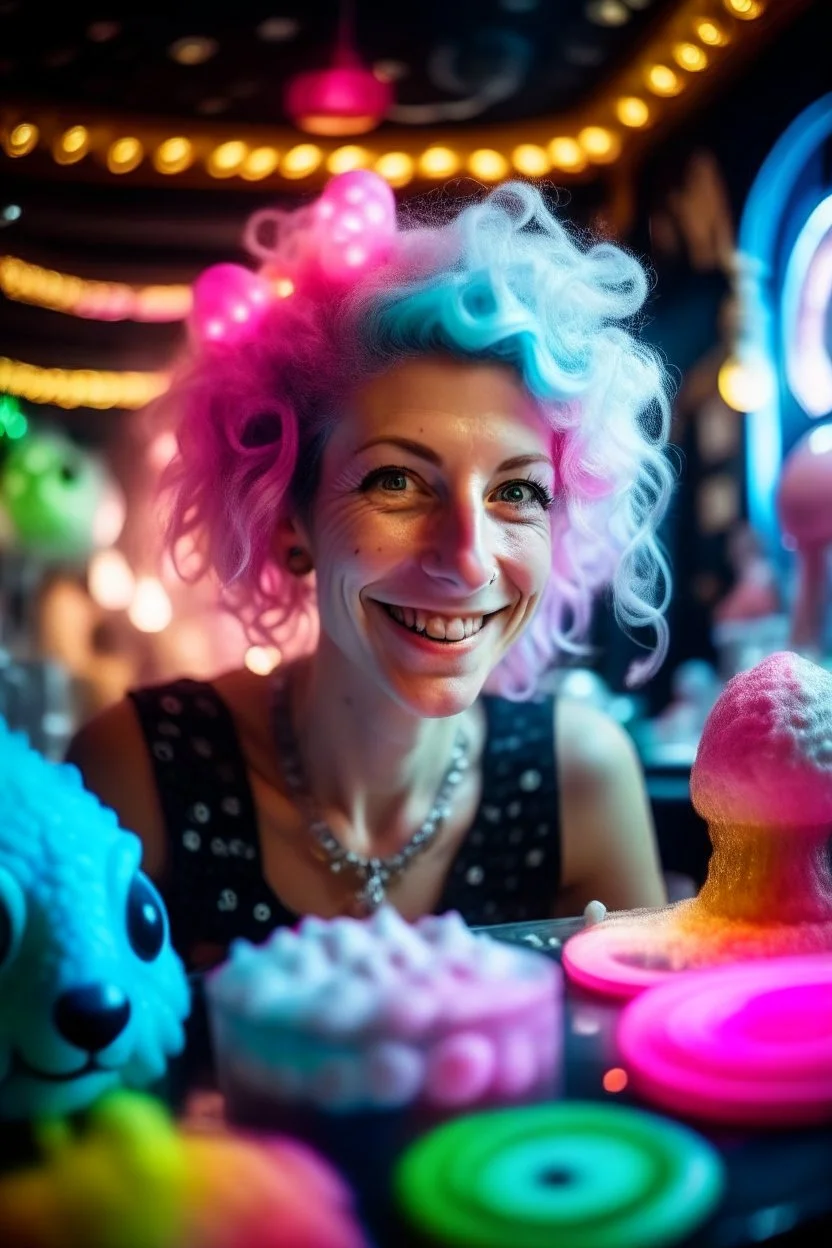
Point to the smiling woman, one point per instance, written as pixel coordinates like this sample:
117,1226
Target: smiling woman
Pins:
438,448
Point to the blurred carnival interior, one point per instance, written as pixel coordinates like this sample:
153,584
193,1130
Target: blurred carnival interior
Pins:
134,146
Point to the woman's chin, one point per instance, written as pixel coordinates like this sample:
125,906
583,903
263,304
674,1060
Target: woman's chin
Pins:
438,697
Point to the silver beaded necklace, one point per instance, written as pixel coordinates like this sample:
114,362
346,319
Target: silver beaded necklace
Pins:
374,874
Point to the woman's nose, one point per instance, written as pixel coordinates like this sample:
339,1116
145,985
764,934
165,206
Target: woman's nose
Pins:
458,550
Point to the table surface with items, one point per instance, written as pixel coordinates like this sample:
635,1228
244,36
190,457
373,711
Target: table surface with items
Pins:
714,1185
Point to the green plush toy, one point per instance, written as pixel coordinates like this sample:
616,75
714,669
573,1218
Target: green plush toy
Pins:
51,489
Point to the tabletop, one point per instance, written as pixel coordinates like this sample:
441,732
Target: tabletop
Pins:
779,1181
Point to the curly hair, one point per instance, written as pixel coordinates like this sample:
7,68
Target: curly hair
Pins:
501,280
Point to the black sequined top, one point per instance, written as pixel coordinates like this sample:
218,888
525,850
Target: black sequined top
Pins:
506,869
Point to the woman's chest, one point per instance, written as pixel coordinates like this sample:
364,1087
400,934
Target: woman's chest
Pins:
309,879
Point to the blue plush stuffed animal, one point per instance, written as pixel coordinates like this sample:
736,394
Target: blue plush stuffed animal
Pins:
92,995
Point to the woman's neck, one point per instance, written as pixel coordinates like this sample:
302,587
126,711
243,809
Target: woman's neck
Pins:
373,767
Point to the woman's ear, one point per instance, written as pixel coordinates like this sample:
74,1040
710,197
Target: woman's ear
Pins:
291,547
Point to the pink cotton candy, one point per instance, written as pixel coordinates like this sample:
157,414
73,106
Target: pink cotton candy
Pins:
394,1073
460,1069
518,1065
412,1013
763,781
380,1012
765,755
336,1083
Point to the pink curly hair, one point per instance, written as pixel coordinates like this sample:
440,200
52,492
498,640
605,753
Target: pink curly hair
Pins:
502,280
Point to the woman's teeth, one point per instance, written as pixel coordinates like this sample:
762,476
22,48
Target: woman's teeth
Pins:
437,627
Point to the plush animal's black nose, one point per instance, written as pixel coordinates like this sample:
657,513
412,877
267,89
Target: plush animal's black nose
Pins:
91,1017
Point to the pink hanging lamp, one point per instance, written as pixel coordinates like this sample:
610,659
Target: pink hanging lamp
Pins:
345,99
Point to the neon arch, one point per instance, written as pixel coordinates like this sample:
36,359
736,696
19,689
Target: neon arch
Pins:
767,219
807,295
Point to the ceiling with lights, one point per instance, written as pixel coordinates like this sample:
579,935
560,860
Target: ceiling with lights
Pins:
498,60
134,144
419,91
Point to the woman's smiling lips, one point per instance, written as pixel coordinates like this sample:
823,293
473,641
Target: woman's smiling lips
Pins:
421,626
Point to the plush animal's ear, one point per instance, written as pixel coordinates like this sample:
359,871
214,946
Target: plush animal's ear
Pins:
72,774
133,846
9,734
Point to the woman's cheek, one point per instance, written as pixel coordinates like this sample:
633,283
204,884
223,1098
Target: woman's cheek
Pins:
530,556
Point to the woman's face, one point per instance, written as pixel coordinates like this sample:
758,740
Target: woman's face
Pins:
430,530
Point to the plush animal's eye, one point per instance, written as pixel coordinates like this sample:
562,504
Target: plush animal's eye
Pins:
145,919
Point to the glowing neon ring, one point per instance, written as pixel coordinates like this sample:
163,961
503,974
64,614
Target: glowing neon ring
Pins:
576,1174
595,959
743,1044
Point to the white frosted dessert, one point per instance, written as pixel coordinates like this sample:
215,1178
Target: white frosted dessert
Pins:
377,1013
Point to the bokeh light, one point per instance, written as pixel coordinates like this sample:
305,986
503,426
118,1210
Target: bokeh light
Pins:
110,580
664,81
615,1079
21,139
174,155
566,153
488,164
632,111
438,162
151,610
262,659
396,168
124,154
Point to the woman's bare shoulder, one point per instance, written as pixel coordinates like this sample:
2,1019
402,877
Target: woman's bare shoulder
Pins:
246,694
590,744
111,754
608,840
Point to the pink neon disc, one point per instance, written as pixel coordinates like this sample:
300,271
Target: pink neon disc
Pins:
605,959
746,1044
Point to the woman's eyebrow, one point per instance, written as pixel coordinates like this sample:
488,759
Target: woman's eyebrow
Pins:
425,452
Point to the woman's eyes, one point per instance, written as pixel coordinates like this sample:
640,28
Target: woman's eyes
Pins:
526,493
522,493
391,480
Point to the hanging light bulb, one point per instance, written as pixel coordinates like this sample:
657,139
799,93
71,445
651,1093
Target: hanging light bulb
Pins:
110,580
150,610
747,378
346,98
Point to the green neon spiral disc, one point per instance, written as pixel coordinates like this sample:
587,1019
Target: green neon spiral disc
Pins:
575,1174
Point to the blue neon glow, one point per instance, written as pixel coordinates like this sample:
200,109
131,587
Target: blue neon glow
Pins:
807,290
759,232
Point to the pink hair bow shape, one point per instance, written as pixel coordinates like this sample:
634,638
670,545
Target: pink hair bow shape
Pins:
229,302
356,219
348,230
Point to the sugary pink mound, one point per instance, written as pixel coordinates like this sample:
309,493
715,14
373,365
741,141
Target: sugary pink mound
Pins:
267,1192
765,756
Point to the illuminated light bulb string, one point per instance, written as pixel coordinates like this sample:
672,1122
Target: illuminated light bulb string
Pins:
92,300
347,99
